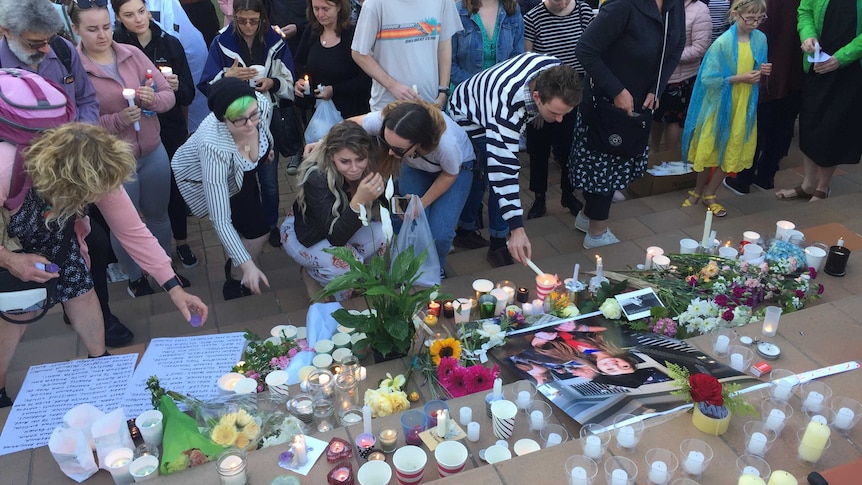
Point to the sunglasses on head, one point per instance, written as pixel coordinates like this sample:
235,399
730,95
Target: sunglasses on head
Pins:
85,4
399,152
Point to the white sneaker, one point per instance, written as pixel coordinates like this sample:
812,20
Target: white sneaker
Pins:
582,222
605,239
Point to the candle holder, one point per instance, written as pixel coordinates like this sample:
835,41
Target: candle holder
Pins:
847,413
487,306
661,466
482,287
758,438
766,349
350,415
342,474
523,295
434,308
836,261
574,290
432,409
628,435
522,393
775,414
413,422
696,457
619,470
338,450
814,396
595,441
581,470
302,406
783,383
813,441
509,288
388,438
365,444
753,465
231,466
448,309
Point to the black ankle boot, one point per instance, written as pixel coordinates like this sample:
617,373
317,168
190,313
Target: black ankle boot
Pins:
5,401
538,209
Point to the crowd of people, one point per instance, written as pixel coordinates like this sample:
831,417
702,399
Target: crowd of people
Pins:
439,95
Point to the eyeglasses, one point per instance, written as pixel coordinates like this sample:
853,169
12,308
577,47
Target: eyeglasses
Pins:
399,152
38,44
244,21
754,20
85,4
245,119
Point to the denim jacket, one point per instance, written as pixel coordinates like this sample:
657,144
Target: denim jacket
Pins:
467,44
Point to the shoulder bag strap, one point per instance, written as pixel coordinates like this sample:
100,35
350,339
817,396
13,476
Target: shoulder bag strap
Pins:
663,50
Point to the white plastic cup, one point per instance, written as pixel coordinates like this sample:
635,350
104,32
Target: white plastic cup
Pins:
688,246
151,426
409,462
815,257
374,472
144,468
117,463
451,458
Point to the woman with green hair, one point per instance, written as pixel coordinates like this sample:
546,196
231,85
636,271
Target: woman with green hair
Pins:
216,173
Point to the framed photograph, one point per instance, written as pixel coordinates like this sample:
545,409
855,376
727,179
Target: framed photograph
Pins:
637,304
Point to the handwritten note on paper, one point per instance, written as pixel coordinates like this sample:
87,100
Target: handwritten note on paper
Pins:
50,390
189,365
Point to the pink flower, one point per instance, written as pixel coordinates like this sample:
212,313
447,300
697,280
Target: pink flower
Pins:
691,280
721,300
800,294
820,289
456,384
727,315
480,378
445,369
738,292
752,283
812,272
292,352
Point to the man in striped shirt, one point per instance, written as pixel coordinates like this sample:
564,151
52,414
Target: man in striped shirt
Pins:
493,106
554,28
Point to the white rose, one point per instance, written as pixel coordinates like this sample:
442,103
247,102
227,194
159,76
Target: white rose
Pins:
611,309
571,311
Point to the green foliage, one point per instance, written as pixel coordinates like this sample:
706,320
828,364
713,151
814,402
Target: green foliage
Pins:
733,401
607,290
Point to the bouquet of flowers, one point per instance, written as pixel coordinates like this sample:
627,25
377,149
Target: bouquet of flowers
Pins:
262,357
389,397
460,381
712,398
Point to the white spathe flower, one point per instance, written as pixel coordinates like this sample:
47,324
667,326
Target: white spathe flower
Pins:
390,188
363,215
386,222
611,309
493,332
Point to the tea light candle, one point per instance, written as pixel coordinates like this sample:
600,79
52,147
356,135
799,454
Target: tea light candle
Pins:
775,420
307,91
473,431
553,440
388,438
537,421
300,451
844,418
658,472
431,319
377,456
722,343
593,447
626,437
693,464
619,477
523,295
579,476
523,400
442,423
448,309
813,441
757,444
466,415
814,401
434,308
737,362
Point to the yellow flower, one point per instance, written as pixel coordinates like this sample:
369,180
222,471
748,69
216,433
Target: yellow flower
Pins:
228,419
710,270
384,402
243,418
449,347
251,430
224,434
242,441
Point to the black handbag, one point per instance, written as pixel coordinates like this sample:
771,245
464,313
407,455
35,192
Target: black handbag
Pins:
613,131
232,288
41,296
286,128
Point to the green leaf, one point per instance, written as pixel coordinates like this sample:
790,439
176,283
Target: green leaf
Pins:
398,329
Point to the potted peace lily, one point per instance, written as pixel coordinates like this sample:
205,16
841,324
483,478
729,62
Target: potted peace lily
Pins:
387,283
714,403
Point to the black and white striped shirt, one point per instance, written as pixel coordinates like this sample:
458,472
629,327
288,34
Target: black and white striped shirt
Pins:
557,35
491,104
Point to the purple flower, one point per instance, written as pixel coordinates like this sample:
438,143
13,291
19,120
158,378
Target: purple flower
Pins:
721,300
812,272
800,294
727,315
820,289
738,291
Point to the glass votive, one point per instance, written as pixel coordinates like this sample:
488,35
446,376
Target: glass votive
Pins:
619,470
814,396
696,457
509,288
758,438
388,439
433,409
538,414
117,463
749,464
846,414
487,306
783,383
350,415
595,440
482,287
413,422
448,309
629,435
523,295
722,338
144,468
365,444
684,481
522,393
775,414
302,406
554,434
434,308
581,470
661,465
231,466
813,441
740,358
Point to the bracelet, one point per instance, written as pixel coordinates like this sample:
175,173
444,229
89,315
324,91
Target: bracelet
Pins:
171,283
444,90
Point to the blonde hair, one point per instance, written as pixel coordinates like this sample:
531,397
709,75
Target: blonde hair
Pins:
76,165
746,6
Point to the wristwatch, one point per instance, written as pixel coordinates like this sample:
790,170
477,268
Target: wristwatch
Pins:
171,283
444,90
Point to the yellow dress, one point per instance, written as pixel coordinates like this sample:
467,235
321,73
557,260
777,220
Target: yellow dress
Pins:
739,153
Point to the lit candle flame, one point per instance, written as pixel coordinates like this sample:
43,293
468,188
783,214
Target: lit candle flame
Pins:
278,31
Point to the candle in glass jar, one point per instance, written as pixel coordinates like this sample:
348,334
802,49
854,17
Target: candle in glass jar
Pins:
388,438
434,308
814,441
523,295
448,309
593,447
231,470
430,319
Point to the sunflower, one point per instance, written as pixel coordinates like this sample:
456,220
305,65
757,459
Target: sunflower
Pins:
224,434
449,347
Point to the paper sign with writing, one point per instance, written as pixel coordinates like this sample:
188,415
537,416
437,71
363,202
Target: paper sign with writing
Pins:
50,390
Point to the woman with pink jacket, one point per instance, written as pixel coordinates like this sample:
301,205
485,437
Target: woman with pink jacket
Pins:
669,118
113,67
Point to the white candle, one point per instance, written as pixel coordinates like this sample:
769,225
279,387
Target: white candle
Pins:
299,450
231,474
366,419
511,292
658,472
579,476
775,420
694,463
523,400
722,342
750,470
538,307
593,447
129,94
648,260
307,90
782,391
737,362
814,401
473,431
626,437
527,308
575,276
707,227
537,421
844,418
498,388
757,444
750,237
553,440
619,477
166,71
442,423
599,267
466,415
361,374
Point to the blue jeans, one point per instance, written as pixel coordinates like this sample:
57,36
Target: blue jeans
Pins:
497,227
439,213
267,176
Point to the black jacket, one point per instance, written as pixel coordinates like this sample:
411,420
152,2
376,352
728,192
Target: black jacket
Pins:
317,222
621,47
166,50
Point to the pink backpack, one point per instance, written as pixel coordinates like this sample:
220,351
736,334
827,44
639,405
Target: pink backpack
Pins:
29,104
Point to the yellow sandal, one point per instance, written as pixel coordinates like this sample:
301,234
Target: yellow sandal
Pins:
716,208
687,203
